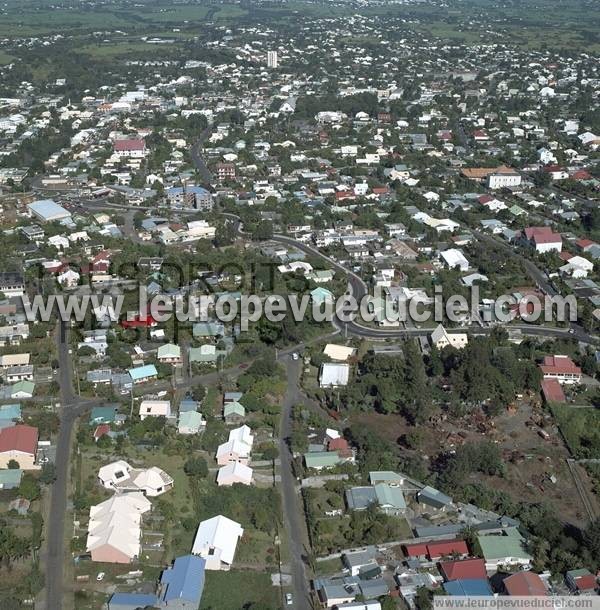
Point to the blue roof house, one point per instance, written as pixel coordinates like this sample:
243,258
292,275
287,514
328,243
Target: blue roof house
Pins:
131,601
181,585
468,587
144,373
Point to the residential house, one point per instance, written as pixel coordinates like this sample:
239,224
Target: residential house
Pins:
561,368
19,444
334,375
507,550
441,338
143,374
190,422
182,584
234,472
155,408
114,528
216,541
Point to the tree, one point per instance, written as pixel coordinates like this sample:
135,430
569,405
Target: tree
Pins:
13,465
29,487
196,467
48,475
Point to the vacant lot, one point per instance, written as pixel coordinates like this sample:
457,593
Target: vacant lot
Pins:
234,590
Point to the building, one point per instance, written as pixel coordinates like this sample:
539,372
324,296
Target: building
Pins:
19,444
119,476
272,59
525,583
155,408
464,569
341,353
132,148
114,528
387,498
454,258
216,541
9,360
12,284
190,422
441,338
234,413
542,239
320,460
47,210
131,601
581,582
10,478
474,587
334,375
225,171
190,197
507,550
182,584
142,374
428,496
234,472
169,354
561,368
433,551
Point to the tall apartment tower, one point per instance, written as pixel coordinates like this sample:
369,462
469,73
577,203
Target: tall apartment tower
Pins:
272,61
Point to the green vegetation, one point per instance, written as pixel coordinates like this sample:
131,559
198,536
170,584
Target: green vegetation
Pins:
581,430
234,590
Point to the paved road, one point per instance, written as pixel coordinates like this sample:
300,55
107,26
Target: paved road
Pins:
71,408
293,517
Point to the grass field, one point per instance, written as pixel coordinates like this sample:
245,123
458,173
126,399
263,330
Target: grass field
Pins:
233,590
5,58
581,430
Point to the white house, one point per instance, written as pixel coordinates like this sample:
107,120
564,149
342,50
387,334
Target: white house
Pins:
454,258
216,541
155,408
333,375
440,338
577,267
234,472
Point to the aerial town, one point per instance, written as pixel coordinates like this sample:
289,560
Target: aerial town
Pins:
160,156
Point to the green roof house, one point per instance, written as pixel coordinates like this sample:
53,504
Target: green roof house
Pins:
22,389
318,460
103,415
234,412
190,422
504,550
321,295
10,478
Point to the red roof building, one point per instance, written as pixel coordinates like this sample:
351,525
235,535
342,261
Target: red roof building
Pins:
552,392
436,550
338,444
129,145
525,583
543,238
100,431
561,368
463,568
18,443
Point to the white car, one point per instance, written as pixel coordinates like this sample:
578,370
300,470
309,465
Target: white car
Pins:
295,356
288,599
100,576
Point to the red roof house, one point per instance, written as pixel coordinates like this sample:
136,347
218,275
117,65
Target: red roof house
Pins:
447,548
19,443
552,392
129,145
100,431
561,368
463,568
525,583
